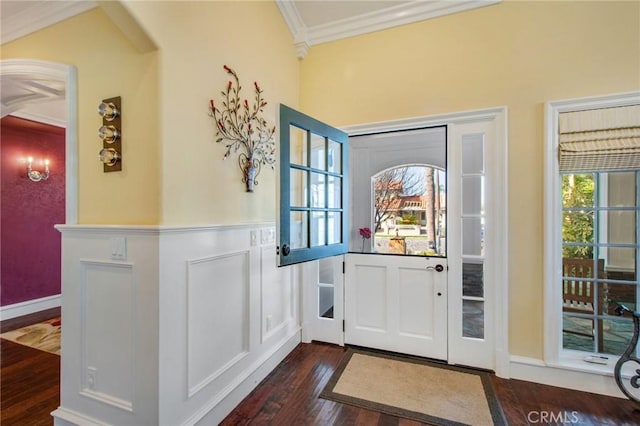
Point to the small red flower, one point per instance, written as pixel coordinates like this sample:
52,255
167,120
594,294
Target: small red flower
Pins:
246,104
227,69
229,86
211,104
255,83
365,233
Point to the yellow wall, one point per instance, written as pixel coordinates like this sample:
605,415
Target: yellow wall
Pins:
174,172
195,40
518,54
107,65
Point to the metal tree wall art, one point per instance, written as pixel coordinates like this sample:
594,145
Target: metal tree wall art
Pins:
244,130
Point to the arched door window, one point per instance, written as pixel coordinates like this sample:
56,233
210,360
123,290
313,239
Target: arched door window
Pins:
409,210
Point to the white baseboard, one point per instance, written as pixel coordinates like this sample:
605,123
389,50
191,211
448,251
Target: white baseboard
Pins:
65,417
535,370
29,307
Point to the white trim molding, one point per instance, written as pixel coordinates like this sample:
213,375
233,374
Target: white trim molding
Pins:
594,380
39,15
29,307
394,16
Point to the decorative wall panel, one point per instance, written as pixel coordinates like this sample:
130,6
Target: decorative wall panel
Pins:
218,316
108,294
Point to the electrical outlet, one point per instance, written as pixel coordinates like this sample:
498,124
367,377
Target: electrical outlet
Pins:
269,322
92,378
254,238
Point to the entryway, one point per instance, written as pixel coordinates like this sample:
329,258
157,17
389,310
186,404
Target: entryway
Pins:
402,303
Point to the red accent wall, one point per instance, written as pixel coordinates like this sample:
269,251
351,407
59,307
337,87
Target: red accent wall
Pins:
29,244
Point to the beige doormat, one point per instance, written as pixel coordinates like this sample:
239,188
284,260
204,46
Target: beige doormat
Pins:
415,389
44,336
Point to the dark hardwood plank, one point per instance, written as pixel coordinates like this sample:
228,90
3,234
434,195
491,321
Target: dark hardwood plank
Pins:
30,390
29,378
29,385
290,396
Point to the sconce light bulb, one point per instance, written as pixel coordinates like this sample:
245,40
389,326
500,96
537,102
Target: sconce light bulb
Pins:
35,175
108,111
109,156
108,134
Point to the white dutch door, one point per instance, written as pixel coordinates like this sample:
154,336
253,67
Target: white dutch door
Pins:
397,304
396,287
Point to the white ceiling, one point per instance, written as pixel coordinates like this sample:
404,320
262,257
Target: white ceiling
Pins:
311,22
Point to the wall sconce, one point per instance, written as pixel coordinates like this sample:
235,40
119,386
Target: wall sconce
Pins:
35,175
111,134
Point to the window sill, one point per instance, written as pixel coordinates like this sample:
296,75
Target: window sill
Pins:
575,361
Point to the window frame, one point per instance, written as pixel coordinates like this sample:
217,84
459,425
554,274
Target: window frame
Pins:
554,354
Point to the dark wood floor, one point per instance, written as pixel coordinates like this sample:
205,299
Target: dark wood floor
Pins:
29,378
289,396
30,390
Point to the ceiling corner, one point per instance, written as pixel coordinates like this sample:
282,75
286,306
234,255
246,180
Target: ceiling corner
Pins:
38,15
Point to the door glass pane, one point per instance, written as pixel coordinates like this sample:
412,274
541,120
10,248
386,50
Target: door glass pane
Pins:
317,190
335,157
473,241
473,319
334,222
335,192
318,229
298,230
473,154
318,153
325,301
472,279
298,146
298,188
326,287
472,195
410,211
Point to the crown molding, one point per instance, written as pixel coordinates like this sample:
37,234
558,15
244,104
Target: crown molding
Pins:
41,14
402,14
41,118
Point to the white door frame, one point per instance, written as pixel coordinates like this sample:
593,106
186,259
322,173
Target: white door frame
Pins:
497,212
32,68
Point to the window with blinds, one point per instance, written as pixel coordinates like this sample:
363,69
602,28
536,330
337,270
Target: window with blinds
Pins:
599,164
600,139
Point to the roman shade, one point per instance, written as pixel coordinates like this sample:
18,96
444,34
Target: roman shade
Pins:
600,139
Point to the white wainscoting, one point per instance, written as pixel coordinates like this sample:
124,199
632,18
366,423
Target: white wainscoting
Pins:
170,325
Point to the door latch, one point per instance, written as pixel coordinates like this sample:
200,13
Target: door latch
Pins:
437,268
